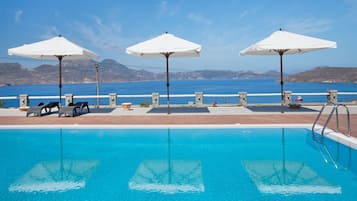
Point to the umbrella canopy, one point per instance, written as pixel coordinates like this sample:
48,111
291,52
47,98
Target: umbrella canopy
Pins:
283,42
55,48
165,45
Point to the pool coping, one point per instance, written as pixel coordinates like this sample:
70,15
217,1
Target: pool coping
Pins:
349,141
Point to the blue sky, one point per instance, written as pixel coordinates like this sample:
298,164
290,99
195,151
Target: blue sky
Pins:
223,28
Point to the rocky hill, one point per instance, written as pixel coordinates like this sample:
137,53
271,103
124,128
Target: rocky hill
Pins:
72,72
110,71
326,74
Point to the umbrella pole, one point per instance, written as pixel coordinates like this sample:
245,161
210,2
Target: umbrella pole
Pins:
97,81
281,81
167,55
60,79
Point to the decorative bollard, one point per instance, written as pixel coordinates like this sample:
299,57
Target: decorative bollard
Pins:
155,99
332,97
69,99
24,101
287,97
199,99
243,98
112,99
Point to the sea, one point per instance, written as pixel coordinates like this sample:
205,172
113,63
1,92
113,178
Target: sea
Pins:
177,87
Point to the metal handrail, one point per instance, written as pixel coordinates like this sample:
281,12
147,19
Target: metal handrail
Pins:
317,118
348,118
334,109
329,118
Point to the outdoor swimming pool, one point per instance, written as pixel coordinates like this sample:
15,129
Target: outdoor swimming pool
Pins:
173,164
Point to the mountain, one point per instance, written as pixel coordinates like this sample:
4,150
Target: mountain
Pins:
326,74
110,71
72,72
13,73
221,74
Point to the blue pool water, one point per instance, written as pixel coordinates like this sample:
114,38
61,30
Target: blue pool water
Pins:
174,164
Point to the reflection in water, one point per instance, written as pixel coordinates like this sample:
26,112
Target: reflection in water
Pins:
57,176
289,177
168,176
50,176
159,176
332,152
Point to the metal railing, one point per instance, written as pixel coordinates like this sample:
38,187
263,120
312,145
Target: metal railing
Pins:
334,110
257,98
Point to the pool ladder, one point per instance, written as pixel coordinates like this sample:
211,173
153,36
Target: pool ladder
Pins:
333,111
319,139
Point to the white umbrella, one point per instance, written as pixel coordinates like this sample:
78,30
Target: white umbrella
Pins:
55,48
165,45
283,42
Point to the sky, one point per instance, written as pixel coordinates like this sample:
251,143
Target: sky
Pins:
223,28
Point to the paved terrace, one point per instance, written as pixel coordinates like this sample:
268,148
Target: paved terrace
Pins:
202,116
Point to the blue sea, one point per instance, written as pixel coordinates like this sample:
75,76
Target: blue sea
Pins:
251,86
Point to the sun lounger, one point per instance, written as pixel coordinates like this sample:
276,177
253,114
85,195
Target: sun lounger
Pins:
70,110
82,105
37,110
73,109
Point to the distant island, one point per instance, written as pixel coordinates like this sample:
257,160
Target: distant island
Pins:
326,74
112,71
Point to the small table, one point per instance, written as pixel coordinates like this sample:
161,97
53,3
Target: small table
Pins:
126,106
24,109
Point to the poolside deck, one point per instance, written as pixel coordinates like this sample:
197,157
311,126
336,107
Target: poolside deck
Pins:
215,115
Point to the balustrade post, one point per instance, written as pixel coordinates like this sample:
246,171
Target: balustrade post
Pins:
199,99
112,99
332,96
287,97
243,98
24,100
69,99
155,99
